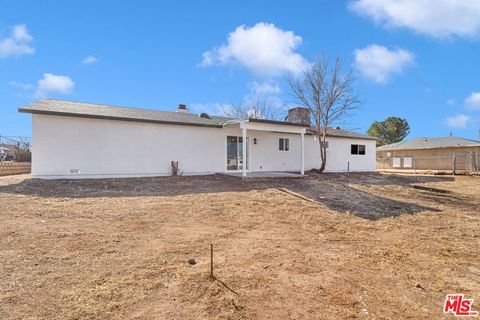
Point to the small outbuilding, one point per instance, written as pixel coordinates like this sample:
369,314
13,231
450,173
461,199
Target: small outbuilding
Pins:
438,155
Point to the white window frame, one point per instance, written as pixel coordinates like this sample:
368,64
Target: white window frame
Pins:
358,149
249,153
407,162
283,144
396,162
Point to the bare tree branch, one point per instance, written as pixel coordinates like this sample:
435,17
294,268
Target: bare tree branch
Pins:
258,108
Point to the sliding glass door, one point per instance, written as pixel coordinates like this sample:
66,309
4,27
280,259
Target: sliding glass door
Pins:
235,153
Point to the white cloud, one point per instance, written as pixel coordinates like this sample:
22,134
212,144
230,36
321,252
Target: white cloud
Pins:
20,33
51,83
451,102
263,49
17,44
436,18
472,102
89,59
379,63
22,86
459,121
264,88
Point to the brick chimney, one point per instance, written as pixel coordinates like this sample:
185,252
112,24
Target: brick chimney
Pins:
182,108
298,115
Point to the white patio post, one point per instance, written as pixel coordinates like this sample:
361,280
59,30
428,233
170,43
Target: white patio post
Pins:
244,152
302,171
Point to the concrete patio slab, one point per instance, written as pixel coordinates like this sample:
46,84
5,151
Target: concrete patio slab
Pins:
265,174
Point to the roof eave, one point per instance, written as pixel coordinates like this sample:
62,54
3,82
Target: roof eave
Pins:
285,123
351,137
91,116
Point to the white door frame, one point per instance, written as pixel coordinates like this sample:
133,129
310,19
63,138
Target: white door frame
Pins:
249,153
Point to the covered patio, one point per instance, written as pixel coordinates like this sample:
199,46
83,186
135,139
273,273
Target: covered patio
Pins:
255,125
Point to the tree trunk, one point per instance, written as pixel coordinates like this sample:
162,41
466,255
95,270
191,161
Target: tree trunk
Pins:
323,158
323,151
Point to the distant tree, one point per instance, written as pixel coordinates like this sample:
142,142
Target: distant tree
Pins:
255,108
329,93
390,130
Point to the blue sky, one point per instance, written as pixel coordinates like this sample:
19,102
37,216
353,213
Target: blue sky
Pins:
413,59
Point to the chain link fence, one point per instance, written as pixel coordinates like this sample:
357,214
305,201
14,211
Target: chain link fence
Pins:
457,163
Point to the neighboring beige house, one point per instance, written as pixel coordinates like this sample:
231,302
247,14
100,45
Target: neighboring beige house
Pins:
440,154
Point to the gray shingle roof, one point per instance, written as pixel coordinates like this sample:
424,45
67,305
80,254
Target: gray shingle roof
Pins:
100,111
89,110
431,143
342,133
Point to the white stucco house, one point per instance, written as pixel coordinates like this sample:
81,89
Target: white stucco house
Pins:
83,140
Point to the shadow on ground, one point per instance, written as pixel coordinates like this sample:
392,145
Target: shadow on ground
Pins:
339,192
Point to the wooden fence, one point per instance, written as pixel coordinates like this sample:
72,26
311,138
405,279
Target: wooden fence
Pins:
456,163
9,167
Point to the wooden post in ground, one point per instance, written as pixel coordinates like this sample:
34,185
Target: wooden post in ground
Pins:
454,160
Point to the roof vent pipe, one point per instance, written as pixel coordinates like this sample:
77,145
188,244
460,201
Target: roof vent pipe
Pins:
182,108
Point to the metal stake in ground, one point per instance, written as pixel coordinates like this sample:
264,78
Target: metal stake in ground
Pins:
211,262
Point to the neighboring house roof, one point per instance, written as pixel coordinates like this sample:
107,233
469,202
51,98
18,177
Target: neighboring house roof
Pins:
98,111
431,143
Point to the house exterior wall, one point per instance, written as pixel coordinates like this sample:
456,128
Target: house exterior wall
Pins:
70,147
340,159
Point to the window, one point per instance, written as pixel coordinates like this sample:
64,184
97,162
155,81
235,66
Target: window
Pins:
284,144
361,149
407,162
397,162
358,149
235,153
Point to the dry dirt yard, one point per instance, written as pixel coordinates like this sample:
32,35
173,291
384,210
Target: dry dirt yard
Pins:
368,246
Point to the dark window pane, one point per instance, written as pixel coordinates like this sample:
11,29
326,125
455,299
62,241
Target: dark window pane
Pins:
232,153
287,144
280,144
361,149
354,149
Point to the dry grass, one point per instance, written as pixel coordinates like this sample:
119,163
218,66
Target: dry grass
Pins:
377,246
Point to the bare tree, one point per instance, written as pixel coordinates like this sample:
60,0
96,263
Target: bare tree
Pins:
329,95
257,108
